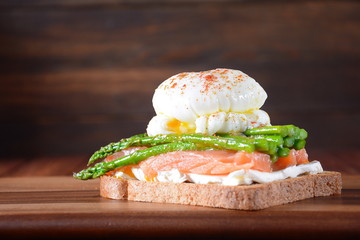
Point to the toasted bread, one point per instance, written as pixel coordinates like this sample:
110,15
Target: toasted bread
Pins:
249,197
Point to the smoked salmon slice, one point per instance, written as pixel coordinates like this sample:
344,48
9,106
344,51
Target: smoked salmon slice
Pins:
210,162
294,158
214,162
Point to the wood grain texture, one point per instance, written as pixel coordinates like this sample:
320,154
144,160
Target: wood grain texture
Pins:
61,207
76,75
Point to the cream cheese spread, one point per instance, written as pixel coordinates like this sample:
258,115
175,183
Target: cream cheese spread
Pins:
240,177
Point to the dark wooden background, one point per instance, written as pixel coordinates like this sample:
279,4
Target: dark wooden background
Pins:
75,75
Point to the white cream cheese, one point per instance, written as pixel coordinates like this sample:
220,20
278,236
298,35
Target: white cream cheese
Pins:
240,177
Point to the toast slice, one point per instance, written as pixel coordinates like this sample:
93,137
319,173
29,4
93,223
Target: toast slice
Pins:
250,197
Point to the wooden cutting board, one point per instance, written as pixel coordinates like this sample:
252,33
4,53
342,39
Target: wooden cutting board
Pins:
61,207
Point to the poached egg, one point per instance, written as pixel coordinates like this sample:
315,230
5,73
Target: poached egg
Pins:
208,102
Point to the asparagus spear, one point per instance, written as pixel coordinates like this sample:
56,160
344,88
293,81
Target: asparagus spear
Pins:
299,144
115,147
101,168
289,141
275,141
303,134
283,152
272,138
283,131
254,142
280,130
237,144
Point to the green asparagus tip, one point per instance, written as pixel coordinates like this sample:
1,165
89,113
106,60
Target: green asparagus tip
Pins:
303,134
289,141
299,144
283,152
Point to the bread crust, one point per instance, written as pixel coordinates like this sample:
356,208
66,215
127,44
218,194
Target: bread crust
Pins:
249,197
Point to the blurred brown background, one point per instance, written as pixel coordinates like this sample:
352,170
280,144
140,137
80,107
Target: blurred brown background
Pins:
76,75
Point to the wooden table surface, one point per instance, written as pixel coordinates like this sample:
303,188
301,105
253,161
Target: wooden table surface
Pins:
61,207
